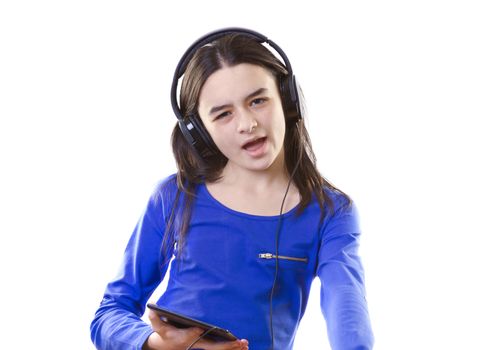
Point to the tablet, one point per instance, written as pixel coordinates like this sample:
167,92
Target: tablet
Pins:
182,321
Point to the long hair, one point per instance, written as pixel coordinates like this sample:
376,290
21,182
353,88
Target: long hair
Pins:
228,51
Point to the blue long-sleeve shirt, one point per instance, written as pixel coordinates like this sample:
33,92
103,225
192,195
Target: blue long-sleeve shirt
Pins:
224,277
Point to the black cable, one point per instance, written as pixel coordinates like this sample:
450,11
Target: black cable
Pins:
277,254
201,337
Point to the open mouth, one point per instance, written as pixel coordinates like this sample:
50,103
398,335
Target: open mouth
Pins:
254,145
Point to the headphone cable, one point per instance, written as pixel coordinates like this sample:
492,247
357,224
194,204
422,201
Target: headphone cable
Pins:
201,337
277,253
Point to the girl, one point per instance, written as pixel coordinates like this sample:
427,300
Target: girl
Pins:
246,223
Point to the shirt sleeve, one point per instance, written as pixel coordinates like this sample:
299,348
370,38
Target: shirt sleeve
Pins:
340,270
117,323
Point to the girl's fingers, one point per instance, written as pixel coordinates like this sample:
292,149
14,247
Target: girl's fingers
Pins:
155,320
244,343
232,345
158,325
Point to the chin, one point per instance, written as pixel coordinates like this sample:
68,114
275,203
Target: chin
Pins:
260,165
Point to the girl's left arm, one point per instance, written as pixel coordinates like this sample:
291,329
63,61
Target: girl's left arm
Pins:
340,270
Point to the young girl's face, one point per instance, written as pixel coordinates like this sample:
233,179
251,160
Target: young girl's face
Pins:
241,108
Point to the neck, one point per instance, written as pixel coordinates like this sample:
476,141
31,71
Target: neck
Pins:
256,181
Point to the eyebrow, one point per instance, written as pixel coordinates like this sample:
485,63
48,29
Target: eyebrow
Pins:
253,94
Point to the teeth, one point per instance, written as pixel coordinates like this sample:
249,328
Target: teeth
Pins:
253,143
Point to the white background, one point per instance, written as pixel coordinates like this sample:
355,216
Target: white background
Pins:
402,98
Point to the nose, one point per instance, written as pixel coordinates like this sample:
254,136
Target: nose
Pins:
246,122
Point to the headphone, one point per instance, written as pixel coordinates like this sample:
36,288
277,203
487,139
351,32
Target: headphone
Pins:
191,125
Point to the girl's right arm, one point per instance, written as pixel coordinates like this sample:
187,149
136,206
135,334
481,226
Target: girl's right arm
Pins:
117,323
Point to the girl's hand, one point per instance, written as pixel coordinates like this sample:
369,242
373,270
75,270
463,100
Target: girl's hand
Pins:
168,337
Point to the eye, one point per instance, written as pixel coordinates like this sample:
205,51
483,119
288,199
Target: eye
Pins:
258,101
222,115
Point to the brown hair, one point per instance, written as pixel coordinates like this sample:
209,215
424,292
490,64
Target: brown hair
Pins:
229,51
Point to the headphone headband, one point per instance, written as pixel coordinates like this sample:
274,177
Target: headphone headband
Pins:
208,38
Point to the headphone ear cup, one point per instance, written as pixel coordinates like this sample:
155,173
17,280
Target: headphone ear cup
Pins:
198,137
291,98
